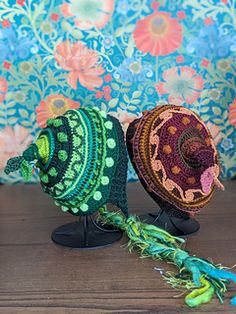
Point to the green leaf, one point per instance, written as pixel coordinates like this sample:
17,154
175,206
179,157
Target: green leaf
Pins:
204,109
26,123
136,94
113,102
11,112
130,48
24,113
135,101
132,108
92,34
217,111
12,120
126,98
115,86
119,31
217,121
129,28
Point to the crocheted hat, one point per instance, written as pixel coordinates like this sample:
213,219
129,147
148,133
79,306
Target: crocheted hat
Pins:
175,157
82,160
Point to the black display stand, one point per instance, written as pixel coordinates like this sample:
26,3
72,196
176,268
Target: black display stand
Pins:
86,233
180,226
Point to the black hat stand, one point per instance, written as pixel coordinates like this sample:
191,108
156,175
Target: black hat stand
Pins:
86,233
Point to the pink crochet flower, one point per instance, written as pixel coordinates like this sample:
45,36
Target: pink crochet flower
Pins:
82,64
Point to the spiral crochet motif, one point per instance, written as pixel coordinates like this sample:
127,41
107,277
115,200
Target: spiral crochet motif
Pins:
82,160
170,148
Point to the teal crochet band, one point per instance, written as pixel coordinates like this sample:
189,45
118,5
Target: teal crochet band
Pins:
199,275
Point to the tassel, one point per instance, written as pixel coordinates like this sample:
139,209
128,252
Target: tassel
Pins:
199,275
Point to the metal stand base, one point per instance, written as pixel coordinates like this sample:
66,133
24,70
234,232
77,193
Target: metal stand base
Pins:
86,233
177,226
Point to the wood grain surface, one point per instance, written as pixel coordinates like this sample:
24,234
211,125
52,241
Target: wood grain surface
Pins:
37,276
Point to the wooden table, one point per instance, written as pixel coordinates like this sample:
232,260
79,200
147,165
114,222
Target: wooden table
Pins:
37,276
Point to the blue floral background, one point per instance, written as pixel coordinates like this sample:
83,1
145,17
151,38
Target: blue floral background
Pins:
123,56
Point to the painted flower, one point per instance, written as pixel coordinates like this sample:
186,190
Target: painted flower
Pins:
82,64
122,7
215,132
3,88
223,65
13,140
88,13
108,41
232,113
46,28
26,67
19,97
133,70
209,43
214,94
227,144
158,34
53,106
182,84
124,117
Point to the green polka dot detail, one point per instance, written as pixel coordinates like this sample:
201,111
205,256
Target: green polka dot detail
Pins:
64,208
62,137
50,122
84,207
74,210
109,162
62,155
105,180
57,123
111,143
108,125
97,195
44,178
53,172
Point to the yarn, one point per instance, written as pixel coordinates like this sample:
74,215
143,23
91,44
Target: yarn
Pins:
170,149
199,275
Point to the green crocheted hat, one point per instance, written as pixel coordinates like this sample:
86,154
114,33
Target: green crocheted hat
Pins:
82,160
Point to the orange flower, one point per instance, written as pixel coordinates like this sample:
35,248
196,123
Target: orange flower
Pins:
81,62
158,34
232,113
13,141
52,107
215,132
3,88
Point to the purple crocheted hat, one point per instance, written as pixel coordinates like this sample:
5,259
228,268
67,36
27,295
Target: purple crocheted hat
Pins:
175,157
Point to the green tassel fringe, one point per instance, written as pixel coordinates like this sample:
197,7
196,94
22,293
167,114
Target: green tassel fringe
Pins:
202,277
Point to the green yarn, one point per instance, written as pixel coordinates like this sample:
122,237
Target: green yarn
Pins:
62,137
109,162
62,155
199,275
111,143
97,195
57,123
84,207
53,172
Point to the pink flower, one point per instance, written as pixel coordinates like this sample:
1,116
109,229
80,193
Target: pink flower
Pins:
107,89
52,107
182,84
107,97
107,78
6,65
181,15
13,141
180,59
124,117
21,2
155,5
3,88
99,94
158,34
205,63
5,23
54,17
208,21
215,132
225,1
232,113
82,64
88,14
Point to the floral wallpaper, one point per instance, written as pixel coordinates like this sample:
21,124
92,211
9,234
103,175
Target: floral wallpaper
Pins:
123,56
